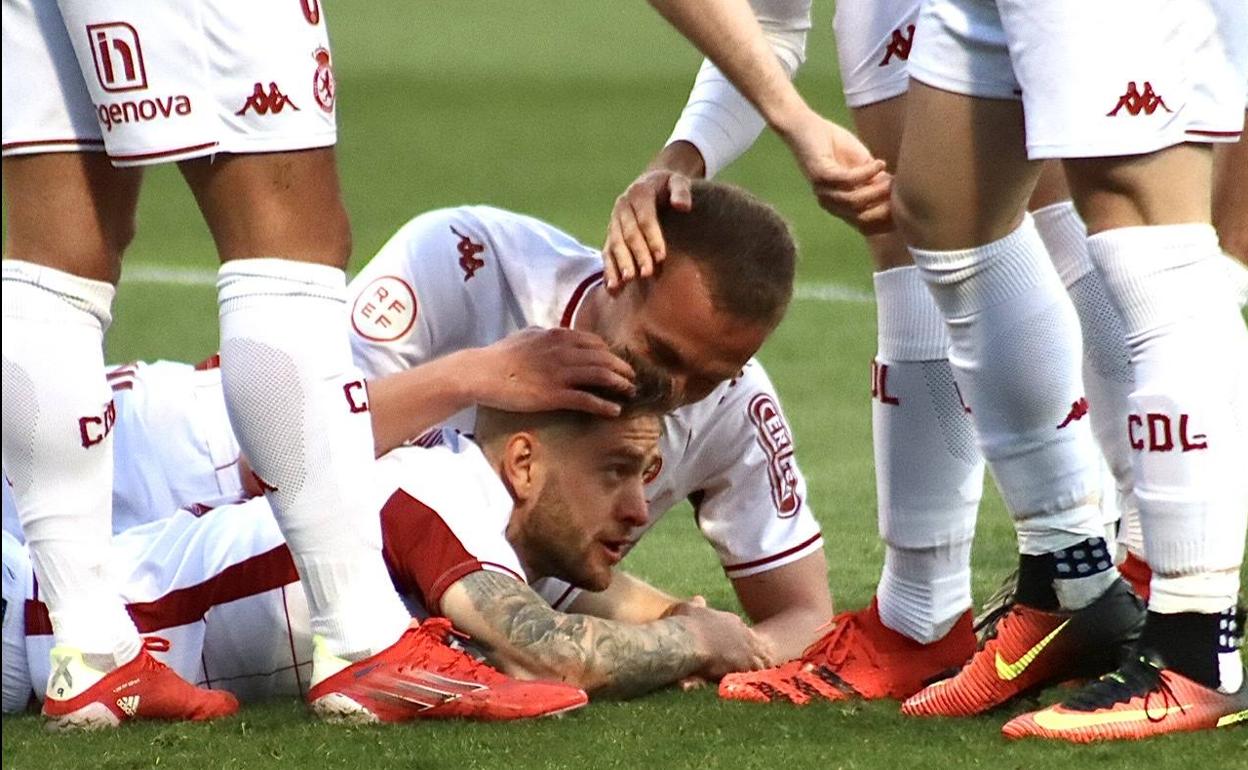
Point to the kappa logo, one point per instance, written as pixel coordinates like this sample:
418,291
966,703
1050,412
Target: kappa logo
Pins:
1078,411
468,251
777,443
899,46
129,704
1136,101
263,102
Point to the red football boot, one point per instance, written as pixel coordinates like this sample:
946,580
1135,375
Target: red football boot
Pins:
421,676
1032,649
144,688
859,658
1139,700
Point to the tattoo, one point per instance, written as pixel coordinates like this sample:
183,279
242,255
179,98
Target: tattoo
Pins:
606,656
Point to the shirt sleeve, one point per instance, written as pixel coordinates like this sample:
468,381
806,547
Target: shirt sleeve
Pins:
717,119
752,504
443,527
424,293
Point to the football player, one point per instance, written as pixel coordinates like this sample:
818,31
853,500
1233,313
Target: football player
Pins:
473,532
441,321
1131,115
243,100
929,469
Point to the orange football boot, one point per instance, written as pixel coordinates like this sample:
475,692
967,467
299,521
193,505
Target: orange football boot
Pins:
421,676
1139,700
859,658
144,688
1032,649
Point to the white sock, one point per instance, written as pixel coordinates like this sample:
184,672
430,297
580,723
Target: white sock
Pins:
1107,378
929,473
1188,425
58,452
1016,353
299,407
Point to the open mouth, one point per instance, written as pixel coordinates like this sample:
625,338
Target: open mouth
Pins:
615,549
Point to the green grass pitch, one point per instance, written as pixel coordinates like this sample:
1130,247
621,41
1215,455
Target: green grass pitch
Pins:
551,108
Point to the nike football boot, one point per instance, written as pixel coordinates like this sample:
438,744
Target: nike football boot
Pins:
859,657
421,676
1032,649
81,698
1141,699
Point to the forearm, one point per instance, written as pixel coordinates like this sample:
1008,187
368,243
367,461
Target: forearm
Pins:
717,119
790,632
629,599
788,605
407,403
604,657
727,32
525,637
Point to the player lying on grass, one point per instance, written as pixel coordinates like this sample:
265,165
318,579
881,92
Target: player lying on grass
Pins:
434,324
472,532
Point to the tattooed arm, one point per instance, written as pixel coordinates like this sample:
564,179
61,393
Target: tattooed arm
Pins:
526,638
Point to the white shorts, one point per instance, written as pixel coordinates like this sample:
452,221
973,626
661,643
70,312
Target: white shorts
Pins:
151,82
1097,79
873,39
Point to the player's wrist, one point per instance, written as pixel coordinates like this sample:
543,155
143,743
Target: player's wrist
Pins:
478,369
681,157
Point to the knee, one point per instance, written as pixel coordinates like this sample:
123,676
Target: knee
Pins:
916,212
119,234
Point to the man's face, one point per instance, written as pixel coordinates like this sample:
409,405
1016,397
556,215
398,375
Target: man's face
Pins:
592,498
670,322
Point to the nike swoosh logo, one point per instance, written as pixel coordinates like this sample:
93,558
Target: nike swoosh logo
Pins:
1068,720
1009,671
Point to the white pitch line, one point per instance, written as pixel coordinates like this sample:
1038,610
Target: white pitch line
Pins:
201,276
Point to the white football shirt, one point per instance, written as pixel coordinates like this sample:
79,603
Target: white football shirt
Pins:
469,276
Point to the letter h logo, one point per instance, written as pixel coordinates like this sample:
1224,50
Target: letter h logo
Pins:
118,56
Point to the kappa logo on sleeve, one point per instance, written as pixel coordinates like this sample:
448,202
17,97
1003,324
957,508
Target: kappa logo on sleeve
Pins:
469,262
385,310
777,443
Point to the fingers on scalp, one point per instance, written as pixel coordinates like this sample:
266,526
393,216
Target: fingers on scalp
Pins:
586,402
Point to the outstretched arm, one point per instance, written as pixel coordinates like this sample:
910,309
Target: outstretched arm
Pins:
525,637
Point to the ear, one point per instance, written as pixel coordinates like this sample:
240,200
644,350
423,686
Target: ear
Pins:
520,469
